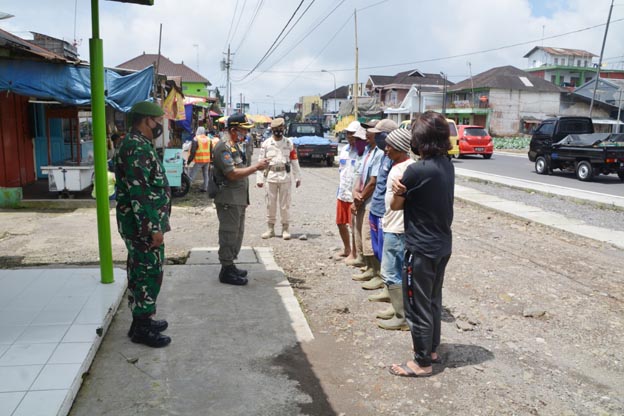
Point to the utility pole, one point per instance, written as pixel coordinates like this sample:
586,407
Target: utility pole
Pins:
443,94
355,86
471,84
604,40
226,64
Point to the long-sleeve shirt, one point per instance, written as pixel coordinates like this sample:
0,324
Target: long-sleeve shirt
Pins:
279,153
143,193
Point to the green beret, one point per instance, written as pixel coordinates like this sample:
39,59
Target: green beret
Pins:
147,108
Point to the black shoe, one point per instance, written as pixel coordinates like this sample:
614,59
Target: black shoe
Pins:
158,325
240,272
144,334
230,276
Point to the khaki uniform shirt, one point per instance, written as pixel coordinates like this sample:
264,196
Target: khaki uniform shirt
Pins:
279,153
227,157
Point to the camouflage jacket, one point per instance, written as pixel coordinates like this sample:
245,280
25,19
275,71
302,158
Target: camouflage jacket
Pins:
143,193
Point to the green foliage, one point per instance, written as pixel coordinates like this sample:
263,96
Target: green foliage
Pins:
520,143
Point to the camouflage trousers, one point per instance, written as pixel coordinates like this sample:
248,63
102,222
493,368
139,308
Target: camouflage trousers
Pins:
145,276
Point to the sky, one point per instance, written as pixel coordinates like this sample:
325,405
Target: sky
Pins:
457,37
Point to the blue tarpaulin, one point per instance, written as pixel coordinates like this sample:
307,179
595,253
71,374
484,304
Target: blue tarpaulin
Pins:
310,140
71,84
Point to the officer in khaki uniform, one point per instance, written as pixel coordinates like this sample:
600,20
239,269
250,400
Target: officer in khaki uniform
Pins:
143,208
282,156
232,199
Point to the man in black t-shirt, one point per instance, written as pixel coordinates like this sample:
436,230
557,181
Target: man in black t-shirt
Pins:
426,194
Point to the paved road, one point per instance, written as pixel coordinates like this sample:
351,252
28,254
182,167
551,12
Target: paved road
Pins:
518,166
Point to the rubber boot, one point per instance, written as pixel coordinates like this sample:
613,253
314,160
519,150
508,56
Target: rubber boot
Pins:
386,313
397,322
270,232
367,274
376,282
356,262
145,334
382,296
285,232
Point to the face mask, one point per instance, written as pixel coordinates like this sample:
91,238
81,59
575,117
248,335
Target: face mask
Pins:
278,133
157,131
360,145
380,140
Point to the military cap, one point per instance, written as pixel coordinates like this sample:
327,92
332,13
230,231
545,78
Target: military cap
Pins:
277,122
239,120
147,108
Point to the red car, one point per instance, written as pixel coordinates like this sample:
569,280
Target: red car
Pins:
474,140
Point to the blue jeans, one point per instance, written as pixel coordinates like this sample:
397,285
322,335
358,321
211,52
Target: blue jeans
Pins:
392,258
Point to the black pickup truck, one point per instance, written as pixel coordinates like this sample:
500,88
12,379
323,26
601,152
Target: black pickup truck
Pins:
310,143
570,144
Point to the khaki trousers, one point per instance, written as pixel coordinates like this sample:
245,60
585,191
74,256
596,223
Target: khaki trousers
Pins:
361,232
278,193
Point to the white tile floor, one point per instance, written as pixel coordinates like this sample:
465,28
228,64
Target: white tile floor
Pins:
48,323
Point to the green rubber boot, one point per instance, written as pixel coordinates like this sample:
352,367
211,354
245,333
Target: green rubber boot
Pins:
382,296
367,274
397,322
386,313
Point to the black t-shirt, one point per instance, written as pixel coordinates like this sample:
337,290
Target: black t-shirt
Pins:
428,207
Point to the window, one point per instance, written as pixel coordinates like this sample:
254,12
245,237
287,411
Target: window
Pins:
578,62
546,129
553,78
556,62
534,63
579,126
475,132
574,81
586,64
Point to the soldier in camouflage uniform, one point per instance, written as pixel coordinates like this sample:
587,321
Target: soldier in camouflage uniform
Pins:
232,199
143,208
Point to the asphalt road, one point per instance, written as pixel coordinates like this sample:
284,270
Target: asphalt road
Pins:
518,166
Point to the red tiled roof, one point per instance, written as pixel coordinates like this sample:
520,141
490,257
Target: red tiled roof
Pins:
165,67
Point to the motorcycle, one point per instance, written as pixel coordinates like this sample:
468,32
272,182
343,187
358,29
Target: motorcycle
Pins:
185,185
185,181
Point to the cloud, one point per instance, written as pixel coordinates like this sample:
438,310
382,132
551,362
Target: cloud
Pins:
393,32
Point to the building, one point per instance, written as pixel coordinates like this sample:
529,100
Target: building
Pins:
566,67
389,91
310,108
45,111
503,99
334,99
193,84
609,95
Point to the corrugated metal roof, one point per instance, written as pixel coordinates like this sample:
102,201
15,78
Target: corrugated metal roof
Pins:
562,52
166,67
10,41
506,78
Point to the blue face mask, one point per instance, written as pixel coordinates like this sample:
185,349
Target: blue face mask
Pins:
380,140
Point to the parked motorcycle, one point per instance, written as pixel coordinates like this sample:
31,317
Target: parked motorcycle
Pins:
185,185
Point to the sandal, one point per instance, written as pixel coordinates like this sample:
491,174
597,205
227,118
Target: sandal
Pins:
407,371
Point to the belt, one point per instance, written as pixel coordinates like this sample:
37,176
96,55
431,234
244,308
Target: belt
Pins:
277,168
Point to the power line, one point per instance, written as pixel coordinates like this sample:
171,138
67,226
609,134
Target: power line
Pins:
317,55
227,40
253,19
477,52
274,42
312,29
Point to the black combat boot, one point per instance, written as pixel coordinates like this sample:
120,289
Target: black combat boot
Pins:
158,325
240,272
145,334
230,276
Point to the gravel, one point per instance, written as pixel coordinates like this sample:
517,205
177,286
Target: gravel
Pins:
604,217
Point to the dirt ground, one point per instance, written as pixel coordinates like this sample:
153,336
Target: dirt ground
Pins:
533,318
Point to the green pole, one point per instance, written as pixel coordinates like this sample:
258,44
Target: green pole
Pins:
99,147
